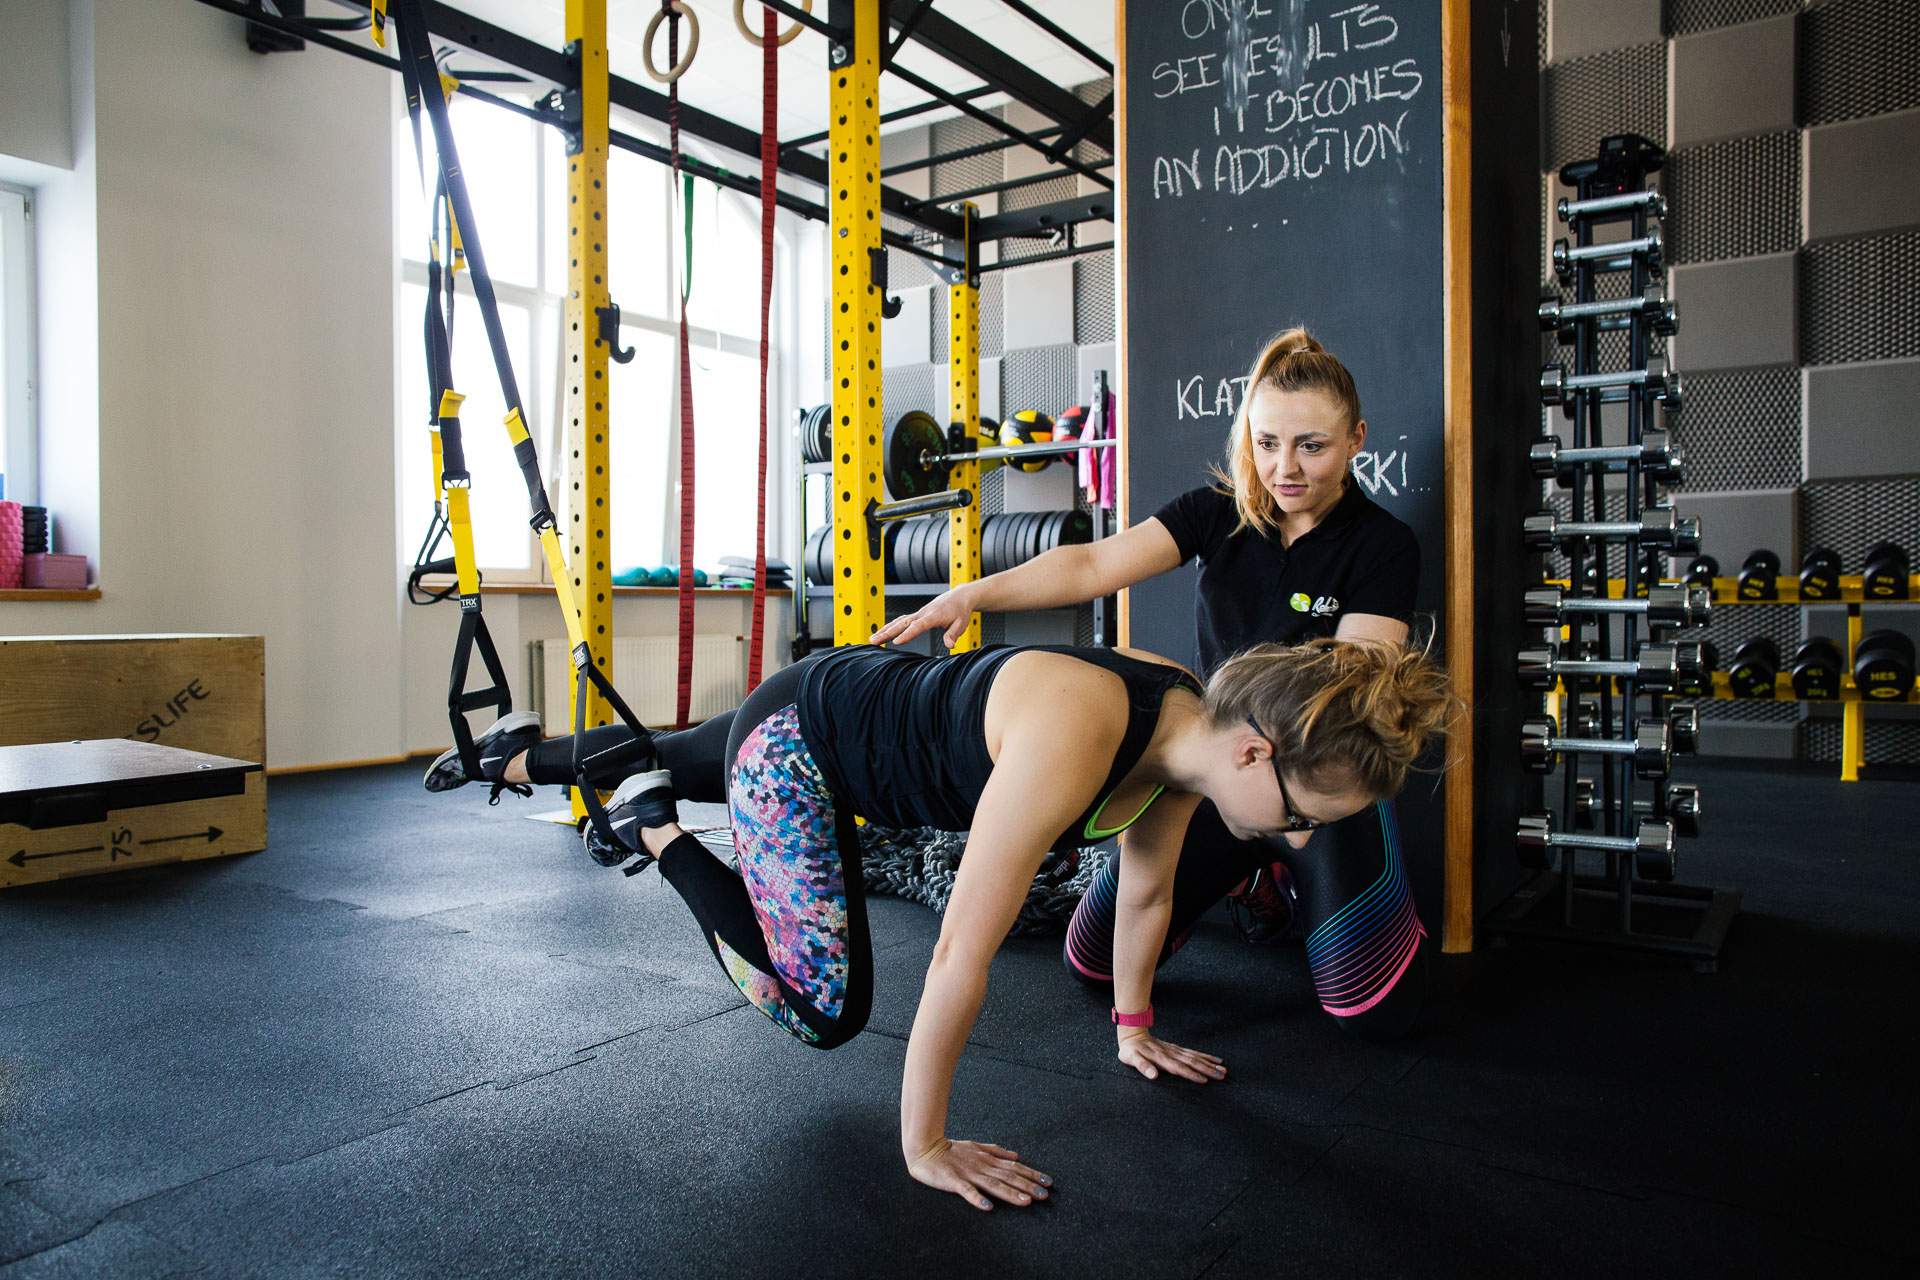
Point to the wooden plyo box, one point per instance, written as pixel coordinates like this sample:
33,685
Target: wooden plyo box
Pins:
200,692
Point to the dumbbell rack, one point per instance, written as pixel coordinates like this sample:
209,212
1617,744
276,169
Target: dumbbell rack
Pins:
1847,589
1608,671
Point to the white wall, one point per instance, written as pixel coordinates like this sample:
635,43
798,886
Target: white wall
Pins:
243,293
219,337
36,116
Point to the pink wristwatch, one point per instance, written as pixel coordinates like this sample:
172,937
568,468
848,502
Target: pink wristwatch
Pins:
1142,1019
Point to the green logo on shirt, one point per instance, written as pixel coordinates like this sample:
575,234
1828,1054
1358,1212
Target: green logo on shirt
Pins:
1301,602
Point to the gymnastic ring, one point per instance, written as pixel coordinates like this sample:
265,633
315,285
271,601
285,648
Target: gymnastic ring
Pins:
740,21
686,59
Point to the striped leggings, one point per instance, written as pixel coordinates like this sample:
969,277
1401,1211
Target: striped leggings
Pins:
1366,947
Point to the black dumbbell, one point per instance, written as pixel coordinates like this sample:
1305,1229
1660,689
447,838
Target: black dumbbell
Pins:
1655,453
1886,574
1665,606
1657,526
1683,806
1651,847
1700,684
1883,666
1651,746
1659,666
1815,670
1754,666
1759,577
1820,575
1702,570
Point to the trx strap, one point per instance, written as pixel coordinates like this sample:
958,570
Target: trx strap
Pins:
769,191
418,70
438,528
683,702
453,485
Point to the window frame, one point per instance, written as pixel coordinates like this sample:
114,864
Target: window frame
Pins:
542,386
21,457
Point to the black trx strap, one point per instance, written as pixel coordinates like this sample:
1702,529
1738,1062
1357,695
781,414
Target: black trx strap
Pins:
418,70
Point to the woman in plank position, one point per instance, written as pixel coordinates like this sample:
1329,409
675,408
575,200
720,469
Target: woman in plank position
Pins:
1025,749
1291,548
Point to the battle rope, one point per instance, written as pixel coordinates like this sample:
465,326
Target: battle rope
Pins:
919,864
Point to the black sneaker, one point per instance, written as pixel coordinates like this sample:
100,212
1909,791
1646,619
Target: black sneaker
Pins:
504,739
1266,908
644,800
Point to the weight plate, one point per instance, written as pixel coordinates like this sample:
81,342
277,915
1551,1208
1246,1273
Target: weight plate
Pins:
942,549
929,535
922,549
1031,543
818,571
910,550
912,434
990,545
889,547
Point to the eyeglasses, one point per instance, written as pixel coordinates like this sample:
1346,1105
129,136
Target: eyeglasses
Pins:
1294,821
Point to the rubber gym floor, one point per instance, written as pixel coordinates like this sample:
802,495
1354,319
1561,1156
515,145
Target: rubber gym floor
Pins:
419,1036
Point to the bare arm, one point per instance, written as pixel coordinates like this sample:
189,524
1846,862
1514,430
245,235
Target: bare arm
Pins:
1032,795
1371,626
1149,852
1064,576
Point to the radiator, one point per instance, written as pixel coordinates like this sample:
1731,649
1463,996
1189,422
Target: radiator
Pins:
647,674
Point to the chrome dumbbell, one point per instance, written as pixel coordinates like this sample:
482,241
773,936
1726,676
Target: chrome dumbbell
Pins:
1659,666
1658,380
1665,606
1683,807
1652,201
1657,527
1617,256
1653,305
1683,721
1655,454
1651,746
1652,847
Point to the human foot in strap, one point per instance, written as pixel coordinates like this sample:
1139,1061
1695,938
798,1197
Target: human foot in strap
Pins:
504,739
642,801
1265,908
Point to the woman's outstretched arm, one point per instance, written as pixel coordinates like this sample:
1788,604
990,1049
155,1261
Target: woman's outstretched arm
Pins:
1035,791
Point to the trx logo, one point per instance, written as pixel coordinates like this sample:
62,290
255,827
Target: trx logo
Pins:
469,604
1324,607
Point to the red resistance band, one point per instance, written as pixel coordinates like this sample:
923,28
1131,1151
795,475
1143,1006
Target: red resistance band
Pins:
684,699
769,188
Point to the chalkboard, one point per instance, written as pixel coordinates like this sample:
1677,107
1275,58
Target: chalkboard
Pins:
1282,166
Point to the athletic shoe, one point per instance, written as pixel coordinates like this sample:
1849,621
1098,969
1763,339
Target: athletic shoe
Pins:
644,800
504,739
1265,907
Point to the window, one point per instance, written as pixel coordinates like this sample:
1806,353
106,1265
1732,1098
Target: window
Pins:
18,435
517,173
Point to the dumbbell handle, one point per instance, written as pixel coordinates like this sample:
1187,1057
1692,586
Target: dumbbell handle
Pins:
1654,375
1656,836
1654,202
1548,455
1659,526
1613,256
1554,312
1680,606
1658,665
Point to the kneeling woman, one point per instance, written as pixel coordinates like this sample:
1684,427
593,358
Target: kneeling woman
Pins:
1024,749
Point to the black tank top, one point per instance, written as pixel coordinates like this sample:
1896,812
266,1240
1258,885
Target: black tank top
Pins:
901,737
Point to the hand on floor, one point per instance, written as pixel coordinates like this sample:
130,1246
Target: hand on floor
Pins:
1150,1057
976,1170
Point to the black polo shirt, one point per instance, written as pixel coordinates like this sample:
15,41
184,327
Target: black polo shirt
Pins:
1254,590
